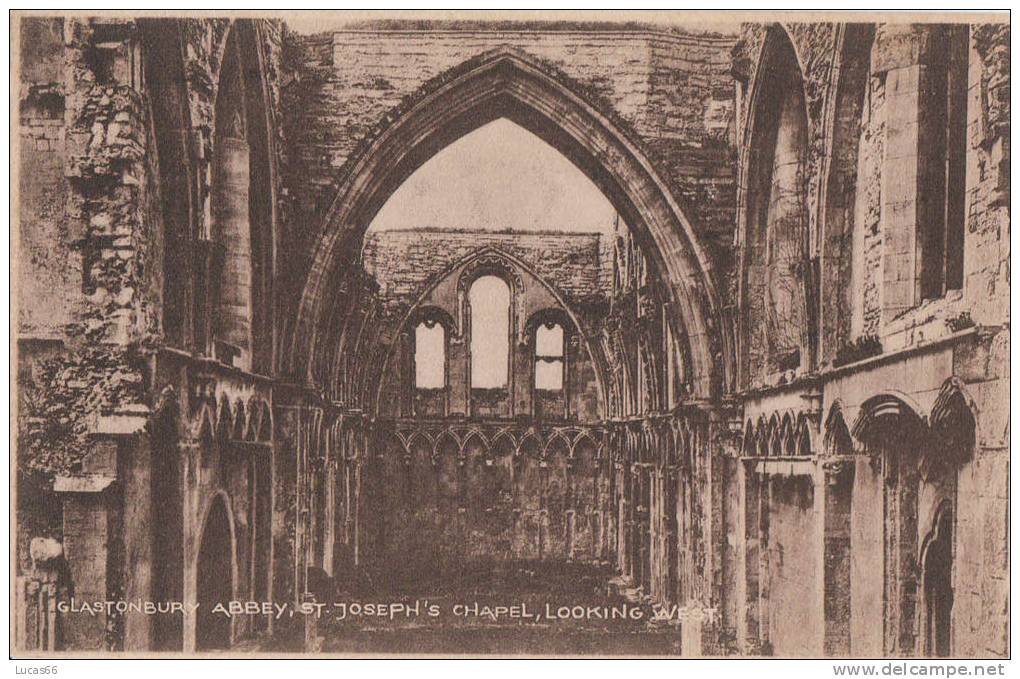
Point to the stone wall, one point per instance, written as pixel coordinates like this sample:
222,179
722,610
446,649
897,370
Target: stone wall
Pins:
49,267
403,263
429,269
670,87
483,496
867,122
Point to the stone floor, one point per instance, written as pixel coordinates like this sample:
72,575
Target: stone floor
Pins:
552,609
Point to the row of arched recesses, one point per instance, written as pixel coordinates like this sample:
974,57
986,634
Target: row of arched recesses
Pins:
511,85
786,436
445,500
243,420
222,454
885,490
458,442
218,213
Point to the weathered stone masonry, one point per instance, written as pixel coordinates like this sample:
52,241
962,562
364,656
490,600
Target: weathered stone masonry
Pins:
785,382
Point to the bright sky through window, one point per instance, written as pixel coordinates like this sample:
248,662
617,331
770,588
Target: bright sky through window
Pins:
549,345
490,332
498,177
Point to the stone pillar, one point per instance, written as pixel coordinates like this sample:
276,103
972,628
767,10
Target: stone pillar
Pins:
285,549
749,627
697,632
108,531
457,388
232,230
138,522
722,454
88,508
644,533
191,456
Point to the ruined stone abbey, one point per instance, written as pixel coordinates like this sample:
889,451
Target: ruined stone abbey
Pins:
776,394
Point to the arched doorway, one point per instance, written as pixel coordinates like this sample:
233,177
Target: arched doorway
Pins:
893,433
215,578
937,579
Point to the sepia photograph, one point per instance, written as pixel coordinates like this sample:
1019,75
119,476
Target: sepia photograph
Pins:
510,334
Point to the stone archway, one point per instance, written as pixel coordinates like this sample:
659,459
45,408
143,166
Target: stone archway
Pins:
893,432
509,84
215,578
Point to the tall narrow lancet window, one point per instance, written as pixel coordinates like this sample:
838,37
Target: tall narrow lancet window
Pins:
549,357
489,300
779,270
941,236
239,266
429,355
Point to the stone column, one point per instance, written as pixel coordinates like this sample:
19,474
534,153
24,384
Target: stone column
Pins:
108,531
698,632
232,230
88,509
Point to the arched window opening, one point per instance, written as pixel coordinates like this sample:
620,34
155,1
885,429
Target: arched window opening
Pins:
784,248
941,234
849,295
780,273
489,300
164,74
214,578
429,355
549,357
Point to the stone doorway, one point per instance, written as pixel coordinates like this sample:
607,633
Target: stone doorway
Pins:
215,579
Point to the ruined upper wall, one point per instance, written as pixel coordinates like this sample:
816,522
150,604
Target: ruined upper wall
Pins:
671,88
49,267
403,263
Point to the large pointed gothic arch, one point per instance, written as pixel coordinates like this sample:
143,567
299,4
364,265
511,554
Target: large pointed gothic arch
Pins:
509,84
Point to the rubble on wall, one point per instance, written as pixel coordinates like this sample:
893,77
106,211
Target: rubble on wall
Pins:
100,365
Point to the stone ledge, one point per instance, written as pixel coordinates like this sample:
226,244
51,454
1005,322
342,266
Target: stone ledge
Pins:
128,420
82,484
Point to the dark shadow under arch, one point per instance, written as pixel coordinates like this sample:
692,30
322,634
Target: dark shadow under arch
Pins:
937,584
214,573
